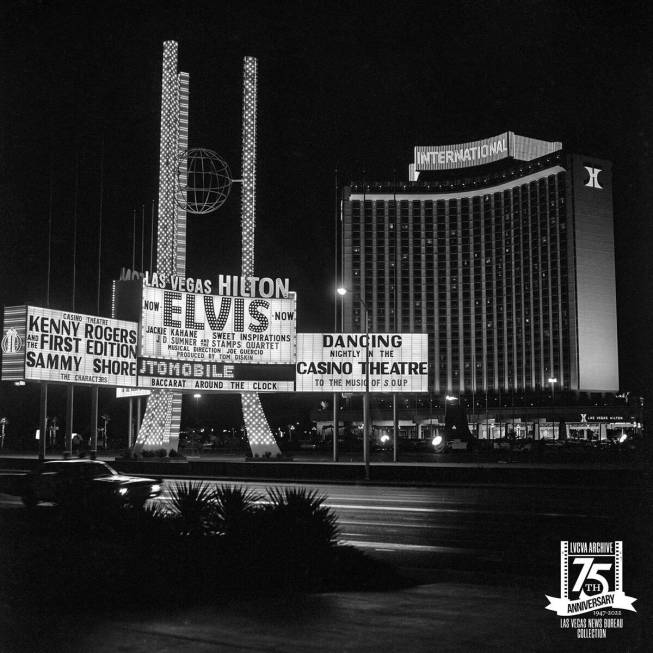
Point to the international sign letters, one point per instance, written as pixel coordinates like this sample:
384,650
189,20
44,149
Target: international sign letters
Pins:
444,157
217,328
74,348
394,362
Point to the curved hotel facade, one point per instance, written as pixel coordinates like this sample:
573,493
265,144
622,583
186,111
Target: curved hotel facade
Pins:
502,251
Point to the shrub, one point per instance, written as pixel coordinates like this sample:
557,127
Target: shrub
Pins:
302,512
153,522
295,537
234,507
192,506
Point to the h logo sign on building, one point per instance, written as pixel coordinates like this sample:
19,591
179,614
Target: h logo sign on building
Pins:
593,181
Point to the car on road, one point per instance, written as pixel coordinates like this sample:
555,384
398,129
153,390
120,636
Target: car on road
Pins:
86,484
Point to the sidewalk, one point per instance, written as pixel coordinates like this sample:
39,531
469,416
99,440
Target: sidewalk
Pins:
435,618
471,472
514,461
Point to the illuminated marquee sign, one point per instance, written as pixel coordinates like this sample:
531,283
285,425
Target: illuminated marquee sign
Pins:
187,326
214,377
66,347
129,393
476,153
395,362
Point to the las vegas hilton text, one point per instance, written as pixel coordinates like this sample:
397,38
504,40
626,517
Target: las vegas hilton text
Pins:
226,284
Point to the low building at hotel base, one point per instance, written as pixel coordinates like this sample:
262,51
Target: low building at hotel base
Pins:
588,419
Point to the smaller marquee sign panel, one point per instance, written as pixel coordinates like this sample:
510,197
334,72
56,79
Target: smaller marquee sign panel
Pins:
66,347
338,362
214,377
129,393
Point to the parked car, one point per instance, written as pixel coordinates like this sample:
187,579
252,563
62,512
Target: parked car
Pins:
480,445
87,484
458,444
524,444
502,444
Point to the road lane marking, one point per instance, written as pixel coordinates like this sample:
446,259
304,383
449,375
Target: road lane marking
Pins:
428,548
401,525
457,511
343,506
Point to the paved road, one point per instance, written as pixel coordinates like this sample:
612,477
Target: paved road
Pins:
471,534
488,529
506,529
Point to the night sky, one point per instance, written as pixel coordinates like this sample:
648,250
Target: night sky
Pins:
351,86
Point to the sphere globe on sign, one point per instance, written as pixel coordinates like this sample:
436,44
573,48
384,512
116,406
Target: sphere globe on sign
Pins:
203,181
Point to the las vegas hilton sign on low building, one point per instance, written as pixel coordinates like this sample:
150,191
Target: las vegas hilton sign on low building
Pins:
234,334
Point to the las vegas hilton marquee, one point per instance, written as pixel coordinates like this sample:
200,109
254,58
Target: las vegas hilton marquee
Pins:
193,341
183,335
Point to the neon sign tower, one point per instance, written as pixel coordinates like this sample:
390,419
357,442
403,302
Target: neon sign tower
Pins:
160,428
261,440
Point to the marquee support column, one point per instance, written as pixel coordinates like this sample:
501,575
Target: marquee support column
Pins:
335,427
70,403
130,424
94,419
43,421
395,428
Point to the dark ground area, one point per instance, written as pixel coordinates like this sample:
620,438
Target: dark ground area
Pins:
79,589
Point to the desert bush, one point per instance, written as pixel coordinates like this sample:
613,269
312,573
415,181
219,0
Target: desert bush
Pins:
192,506
302,516
294,538
233,510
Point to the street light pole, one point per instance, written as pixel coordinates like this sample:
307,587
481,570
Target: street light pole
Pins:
552,380
335,319
197,396
447,399
366,395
